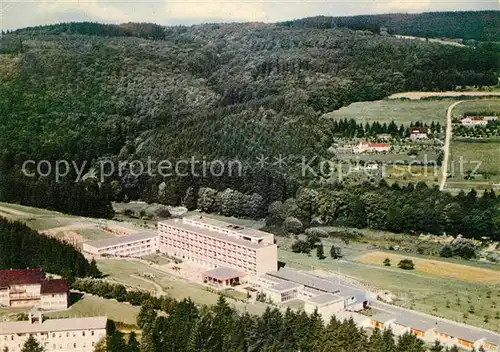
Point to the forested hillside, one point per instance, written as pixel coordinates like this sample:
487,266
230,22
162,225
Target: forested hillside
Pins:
478,25
210,91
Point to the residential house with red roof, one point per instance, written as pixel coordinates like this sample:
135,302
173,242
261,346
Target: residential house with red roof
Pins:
31,288
370,147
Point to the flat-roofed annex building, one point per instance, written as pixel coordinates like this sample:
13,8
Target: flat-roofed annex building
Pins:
135,245
211,243
61,335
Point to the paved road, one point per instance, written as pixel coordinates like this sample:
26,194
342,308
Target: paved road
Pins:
444,165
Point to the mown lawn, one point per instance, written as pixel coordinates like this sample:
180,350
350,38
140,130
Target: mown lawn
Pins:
89,306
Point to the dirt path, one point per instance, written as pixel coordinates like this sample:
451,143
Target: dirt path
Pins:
444,165
159,289
10,211
77,226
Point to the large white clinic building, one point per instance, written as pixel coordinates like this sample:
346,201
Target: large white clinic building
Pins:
215,244
54,335
135,245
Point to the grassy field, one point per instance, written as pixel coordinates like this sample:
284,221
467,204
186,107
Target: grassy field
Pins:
127,272
416,290
412,173
465,156
438,268
401,111
95,306
477,106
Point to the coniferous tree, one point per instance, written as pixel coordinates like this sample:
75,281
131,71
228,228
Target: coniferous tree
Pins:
147,315
32,345
116,342
100,345
133,344
437,347
320,251
147,342
410,343
94,270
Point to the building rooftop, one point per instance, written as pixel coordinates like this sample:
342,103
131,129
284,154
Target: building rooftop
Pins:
21,276
273,279
114,241
178,223
53,325
424,323
383,317
247,231
468,332
325,298
285,286
223,273
54,286
327,285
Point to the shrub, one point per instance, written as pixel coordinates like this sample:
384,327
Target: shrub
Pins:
301,247
317,232
293,225
446,252
387,262
406,264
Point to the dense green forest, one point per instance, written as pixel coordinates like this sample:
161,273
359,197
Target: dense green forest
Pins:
478,25
89,92
21,247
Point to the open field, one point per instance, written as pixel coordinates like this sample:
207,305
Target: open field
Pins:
420,95
74,229
466,155
412,173
438,268
420,291
477,106
90,305
401,111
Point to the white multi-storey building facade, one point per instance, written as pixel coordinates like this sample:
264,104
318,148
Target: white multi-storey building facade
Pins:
30,288
136,245
211,243
54,335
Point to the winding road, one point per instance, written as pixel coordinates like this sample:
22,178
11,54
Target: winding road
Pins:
444,165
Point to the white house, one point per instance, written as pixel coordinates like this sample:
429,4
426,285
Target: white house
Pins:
418,133
369,147
471,121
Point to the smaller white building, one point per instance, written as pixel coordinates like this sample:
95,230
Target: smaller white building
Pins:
61,335
369,147
136,245
418,133
327,305
471,121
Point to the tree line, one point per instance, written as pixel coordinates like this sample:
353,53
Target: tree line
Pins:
476,25
349,128
21,247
